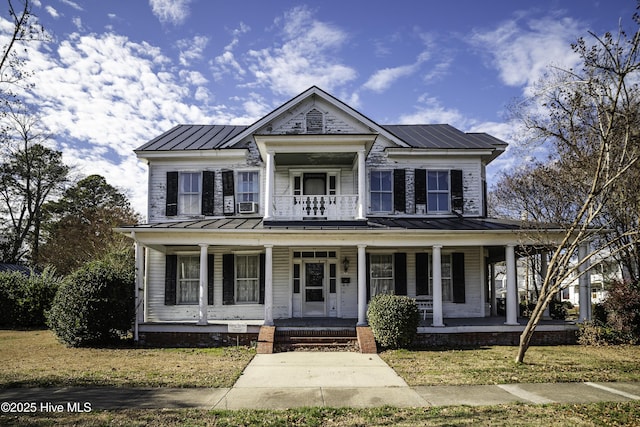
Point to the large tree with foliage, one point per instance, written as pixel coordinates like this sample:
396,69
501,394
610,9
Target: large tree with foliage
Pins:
591,127
31,175
78,226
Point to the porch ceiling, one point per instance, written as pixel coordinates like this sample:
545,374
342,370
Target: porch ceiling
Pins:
314,159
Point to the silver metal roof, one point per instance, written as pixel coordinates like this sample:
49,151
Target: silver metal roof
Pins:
212,137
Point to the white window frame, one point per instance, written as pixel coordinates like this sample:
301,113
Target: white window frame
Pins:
185,283
381,191
439,191
445,274
240,281
183,195
241,195
381,284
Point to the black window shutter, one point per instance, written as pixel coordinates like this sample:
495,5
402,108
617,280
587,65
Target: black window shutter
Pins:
484,199
262,278
228,279
210,260
399,196
422,278
208,190
368,263
457,196
172,194
170,279
400,273
457,269
421,186
227,193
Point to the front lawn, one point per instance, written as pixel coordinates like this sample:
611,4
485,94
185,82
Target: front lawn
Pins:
495,365
37,359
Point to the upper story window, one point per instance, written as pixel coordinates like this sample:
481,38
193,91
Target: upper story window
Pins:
438,195
315,121
381,191
189,196
248,187
188,279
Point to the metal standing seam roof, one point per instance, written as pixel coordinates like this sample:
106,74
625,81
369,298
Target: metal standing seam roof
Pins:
211,137
441,136
192,137
377,223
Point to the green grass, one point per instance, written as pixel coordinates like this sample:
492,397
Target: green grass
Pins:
495,365
37,359
597,414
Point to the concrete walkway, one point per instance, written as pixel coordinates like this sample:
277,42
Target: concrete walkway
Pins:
332,379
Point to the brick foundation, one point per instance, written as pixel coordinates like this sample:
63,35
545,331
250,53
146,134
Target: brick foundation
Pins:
196,339
473,339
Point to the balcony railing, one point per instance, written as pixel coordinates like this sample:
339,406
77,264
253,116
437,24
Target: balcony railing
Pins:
315,207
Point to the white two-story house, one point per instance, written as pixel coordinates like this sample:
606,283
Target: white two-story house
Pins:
308,213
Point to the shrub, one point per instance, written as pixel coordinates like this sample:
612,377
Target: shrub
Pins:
95,304
393,319
559,310
622,305
25,299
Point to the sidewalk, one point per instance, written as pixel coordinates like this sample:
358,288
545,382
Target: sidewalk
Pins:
332,379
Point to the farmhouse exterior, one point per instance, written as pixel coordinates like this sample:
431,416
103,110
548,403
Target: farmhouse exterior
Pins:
308,213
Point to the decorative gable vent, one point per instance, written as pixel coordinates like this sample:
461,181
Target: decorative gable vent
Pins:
315,121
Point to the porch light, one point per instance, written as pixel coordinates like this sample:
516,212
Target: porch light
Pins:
345,264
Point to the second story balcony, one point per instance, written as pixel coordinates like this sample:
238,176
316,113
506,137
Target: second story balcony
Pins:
315,207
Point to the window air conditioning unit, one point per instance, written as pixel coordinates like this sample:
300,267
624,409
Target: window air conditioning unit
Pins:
247,207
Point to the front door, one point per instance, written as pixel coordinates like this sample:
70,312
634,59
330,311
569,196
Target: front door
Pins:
313,296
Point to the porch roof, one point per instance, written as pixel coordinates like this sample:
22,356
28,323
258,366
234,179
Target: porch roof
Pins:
372,223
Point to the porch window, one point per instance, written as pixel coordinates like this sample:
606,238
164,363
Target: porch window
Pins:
189,193
188,279
381,274
248,187
381,194
447,282
247,279
438,191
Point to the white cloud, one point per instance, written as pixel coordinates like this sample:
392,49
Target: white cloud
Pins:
306,56
73,4
51,11
381,80
192,49
429,110
521,52
172,11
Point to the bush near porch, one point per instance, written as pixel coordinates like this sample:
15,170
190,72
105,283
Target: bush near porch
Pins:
393,319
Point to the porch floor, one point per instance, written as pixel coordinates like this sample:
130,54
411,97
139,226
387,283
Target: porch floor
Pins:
333,322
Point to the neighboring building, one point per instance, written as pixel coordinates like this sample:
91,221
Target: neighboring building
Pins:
308,213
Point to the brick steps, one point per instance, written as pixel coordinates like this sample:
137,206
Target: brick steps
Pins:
272,340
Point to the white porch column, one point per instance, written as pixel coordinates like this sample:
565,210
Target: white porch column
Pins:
362,285
145,300
204,274
362,188
437,286
268,285
494,295
139,284
268,191
512,286
584,282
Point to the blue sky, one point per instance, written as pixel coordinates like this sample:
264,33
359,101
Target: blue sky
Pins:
118,73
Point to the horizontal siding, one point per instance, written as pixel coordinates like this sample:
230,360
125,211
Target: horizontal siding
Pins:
282,289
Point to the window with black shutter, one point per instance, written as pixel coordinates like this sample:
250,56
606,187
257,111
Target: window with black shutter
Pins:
172,194
208,191
457,196
170,279
399,190
457,267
